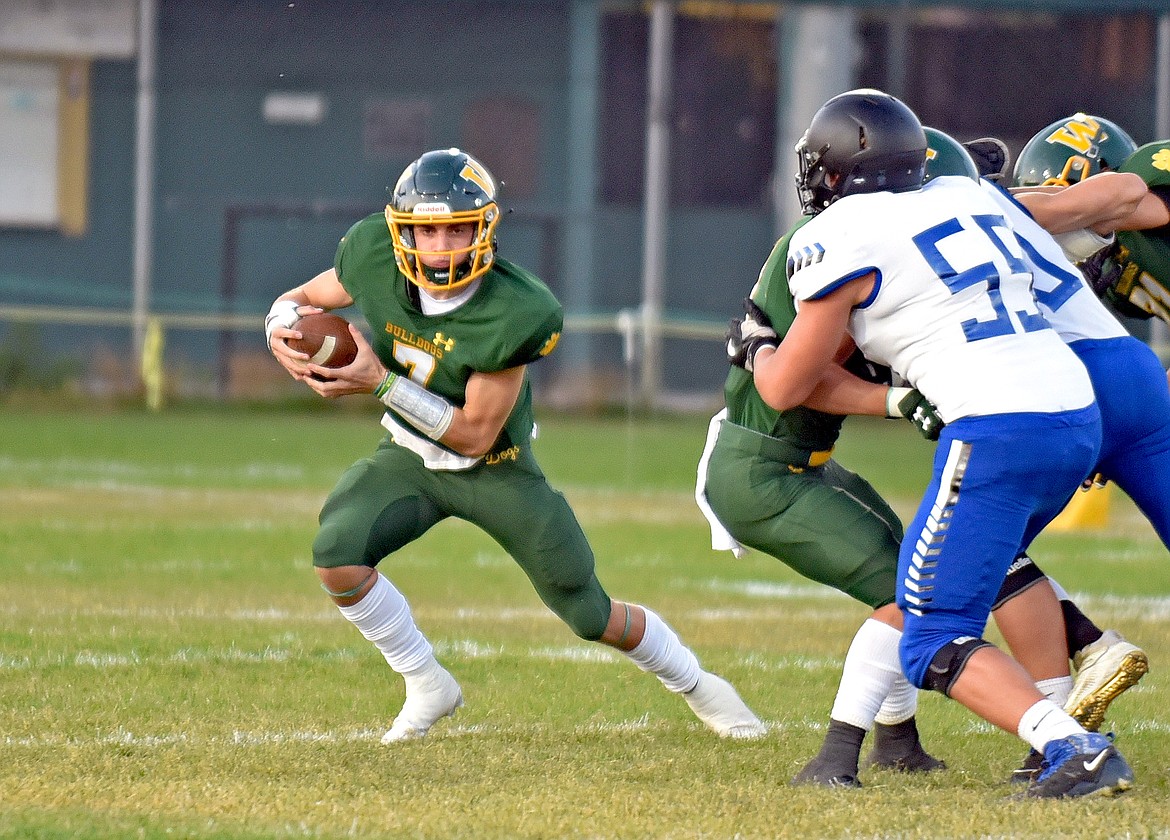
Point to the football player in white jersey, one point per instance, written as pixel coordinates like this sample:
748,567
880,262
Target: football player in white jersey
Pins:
931,282
1130,386
1134,404
1044,633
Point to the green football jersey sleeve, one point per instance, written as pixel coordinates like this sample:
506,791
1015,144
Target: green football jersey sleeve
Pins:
800,426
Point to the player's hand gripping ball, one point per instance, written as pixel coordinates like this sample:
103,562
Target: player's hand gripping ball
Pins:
326,339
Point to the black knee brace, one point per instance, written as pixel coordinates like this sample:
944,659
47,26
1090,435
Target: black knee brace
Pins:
949,662
1021,575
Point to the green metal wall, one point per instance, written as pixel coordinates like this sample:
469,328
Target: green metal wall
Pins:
217,60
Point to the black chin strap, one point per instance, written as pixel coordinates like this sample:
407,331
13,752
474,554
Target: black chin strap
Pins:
412,294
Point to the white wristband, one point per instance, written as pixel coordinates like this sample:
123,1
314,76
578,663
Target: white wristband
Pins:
893,397
282,314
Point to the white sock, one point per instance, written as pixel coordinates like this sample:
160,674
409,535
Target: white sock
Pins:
871,669
383,617
662,654
1045,721
1056,689
900,704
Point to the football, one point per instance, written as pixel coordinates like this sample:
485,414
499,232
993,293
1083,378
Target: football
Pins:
326,339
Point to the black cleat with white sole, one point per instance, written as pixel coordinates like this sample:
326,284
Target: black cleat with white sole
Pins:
897,747
817,772
835,766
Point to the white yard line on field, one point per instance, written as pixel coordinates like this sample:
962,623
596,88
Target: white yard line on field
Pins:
448,649
240,738
1134,608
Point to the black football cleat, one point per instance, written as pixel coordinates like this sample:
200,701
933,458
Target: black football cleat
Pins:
1081,765
897,747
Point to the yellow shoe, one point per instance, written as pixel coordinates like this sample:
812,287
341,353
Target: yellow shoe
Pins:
1105,669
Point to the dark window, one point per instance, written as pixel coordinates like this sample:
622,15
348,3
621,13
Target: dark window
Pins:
1009,74
504,132
724,106
968,72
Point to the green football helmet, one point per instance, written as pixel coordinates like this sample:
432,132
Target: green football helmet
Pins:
946,156
1070,150
444,187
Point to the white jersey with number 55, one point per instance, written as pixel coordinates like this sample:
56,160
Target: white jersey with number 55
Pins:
1064,296
952,309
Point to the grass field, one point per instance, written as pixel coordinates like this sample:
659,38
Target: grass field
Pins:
170,668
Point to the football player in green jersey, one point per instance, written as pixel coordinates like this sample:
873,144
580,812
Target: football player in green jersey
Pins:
454,328
1139,282
826,523
823,521
885,157
1131,269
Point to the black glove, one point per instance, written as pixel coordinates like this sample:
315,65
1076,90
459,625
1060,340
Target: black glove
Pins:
863,368
916,408
1101,269
1111,274
745,336
990,155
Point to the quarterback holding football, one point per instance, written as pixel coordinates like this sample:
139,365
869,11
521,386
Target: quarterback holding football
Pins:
454,328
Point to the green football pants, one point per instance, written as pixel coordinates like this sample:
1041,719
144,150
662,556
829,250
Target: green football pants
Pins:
390,499
826,523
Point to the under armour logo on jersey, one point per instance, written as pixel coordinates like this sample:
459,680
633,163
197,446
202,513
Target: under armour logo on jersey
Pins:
806,256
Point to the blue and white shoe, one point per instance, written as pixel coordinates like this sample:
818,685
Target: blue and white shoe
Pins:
1081,765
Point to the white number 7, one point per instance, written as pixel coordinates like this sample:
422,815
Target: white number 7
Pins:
419,364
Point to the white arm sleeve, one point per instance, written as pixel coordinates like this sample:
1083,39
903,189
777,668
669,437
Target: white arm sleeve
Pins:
428,412
1081,244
